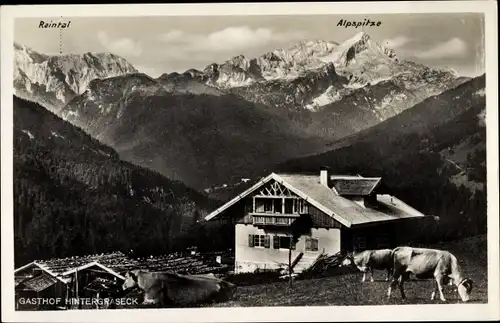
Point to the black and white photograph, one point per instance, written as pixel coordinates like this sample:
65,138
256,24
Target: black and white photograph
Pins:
155,159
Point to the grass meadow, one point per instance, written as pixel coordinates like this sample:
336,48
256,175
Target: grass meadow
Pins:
347,289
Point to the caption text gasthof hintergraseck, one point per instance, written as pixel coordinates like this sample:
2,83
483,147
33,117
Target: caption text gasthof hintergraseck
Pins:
76,301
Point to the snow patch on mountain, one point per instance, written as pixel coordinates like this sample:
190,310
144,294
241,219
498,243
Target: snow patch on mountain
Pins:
280,64
329,96
55,134
389,106
480,92
27,132
482,118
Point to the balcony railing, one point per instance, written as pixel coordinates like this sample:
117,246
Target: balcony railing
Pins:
273,219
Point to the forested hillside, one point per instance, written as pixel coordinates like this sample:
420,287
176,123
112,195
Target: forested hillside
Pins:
73,195
439,168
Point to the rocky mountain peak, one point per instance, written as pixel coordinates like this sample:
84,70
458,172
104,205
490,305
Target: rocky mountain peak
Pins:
53,80
363,44
361,36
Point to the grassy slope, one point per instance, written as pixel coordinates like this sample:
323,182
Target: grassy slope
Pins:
348,290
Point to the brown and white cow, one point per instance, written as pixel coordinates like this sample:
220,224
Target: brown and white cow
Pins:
169,289
368,260
440,265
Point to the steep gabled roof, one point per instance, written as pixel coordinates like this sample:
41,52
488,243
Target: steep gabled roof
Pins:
89,265
37,283
342,209
116,263
113,263
241,196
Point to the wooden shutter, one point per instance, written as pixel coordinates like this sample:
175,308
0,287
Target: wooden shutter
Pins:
250,240
267,241
276,242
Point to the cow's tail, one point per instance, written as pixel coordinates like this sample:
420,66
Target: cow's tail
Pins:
393,259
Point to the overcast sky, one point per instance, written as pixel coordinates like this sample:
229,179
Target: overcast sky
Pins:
156,45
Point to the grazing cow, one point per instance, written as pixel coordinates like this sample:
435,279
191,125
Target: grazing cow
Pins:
168,289
368,260
440,265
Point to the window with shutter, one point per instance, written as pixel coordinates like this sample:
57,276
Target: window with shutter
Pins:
276,242
284,242
312,244
256,240
267,241
250,240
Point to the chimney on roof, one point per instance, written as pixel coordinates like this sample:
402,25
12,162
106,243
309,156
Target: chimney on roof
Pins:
323,176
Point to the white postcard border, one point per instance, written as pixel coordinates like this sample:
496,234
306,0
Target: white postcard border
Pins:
457,312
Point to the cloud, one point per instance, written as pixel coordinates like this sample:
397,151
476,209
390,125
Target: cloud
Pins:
396,42
454,47
226,40
120,46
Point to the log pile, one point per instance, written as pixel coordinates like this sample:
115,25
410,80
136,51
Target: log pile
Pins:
323,264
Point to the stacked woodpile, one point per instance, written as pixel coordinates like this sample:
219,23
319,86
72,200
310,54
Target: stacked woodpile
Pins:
226,257
325,264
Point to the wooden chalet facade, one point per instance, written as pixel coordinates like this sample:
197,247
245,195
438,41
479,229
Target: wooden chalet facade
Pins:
346,211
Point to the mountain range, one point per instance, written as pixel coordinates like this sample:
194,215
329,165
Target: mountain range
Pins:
313,74
54,80
231,119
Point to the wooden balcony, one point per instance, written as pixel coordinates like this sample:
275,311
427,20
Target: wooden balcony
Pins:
273,219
